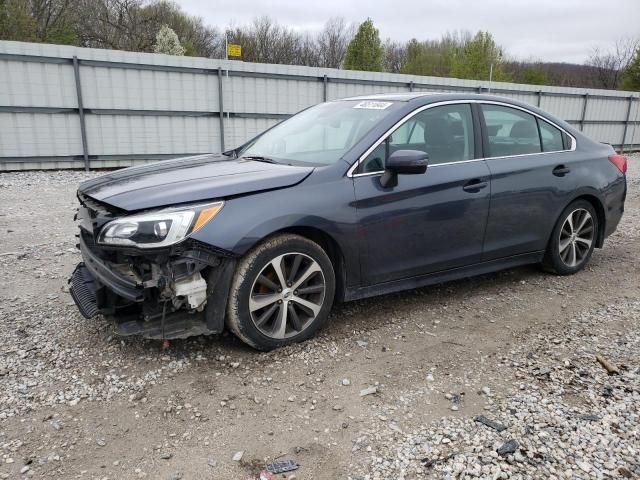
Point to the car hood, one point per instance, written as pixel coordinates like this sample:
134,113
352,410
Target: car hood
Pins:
189,179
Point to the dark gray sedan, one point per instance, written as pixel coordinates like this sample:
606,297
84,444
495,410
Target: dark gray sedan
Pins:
345,200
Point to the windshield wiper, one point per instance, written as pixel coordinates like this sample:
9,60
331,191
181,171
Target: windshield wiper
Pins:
259,158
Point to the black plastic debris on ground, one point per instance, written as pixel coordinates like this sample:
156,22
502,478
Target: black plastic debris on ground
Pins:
281,466
430,462
590,418
490,423
508,447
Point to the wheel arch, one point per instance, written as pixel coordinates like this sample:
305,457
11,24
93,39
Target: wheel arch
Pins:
596,203
329,245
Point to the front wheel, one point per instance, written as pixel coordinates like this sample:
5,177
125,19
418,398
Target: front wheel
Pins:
573,239
281,293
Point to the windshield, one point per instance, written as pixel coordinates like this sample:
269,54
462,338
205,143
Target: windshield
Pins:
321,134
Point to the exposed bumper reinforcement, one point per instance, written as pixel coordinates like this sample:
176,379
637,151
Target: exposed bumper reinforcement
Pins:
100,270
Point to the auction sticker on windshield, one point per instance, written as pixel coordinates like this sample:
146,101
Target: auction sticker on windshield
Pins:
373,105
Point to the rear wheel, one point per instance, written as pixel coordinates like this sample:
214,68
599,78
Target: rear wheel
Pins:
573,239
281,293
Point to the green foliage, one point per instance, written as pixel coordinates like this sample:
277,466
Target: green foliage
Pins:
365,49
63,35
534,76
474,61
433,57
631,74
414,60
16,22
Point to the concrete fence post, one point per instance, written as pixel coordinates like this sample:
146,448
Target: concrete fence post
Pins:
83,126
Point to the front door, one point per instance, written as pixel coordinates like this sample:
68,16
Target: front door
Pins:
427,222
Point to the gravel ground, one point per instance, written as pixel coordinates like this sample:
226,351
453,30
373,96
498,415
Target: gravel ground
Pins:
391,389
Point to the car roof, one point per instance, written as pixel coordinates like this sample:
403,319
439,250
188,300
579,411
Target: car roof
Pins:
417,99
428,97
394,96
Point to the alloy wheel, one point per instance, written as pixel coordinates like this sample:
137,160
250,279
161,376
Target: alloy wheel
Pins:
576,237
287,295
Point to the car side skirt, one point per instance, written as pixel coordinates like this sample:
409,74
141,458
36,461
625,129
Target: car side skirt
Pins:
443,276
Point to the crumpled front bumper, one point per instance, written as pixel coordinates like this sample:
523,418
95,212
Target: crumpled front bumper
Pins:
138,308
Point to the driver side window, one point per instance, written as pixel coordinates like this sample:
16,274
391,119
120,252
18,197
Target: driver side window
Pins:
445,133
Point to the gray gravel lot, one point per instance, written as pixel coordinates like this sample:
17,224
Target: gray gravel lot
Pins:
517,347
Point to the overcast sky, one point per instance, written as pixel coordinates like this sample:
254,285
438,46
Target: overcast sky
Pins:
549,30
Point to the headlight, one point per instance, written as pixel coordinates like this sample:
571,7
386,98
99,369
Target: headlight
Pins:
158,228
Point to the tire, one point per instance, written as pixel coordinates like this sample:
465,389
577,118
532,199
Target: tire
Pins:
572,241
258,300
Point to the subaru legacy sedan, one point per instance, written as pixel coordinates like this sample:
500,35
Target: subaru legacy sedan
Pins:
345,200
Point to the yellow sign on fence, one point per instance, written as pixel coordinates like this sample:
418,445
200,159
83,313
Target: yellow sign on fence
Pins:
234,50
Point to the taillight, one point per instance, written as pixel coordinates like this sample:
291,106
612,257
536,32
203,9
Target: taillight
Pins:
620,161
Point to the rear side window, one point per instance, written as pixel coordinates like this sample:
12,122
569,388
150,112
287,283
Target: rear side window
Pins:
510,131
552,137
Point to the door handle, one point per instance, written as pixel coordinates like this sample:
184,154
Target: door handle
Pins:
475,185
561,171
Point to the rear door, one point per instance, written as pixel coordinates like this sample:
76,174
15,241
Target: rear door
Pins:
427,222
530,164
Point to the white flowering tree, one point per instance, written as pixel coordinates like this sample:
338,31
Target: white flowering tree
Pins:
167,42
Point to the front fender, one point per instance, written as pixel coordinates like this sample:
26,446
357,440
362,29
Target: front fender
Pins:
327,206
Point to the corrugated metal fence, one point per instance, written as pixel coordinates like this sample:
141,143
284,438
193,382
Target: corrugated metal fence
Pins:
69,107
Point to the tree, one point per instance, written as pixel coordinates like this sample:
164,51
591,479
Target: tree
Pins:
364,51
394,56
480,58
608,65
16,22
37,21
167,42
534,76
414,59
267,42
434,57
54,20
133,25
631,73
197,38
332,42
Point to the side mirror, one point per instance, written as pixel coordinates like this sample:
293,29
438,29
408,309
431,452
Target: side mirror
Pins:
403,162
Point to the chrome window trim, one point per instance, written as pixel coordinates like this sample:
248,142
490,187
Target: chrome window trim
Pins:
352,168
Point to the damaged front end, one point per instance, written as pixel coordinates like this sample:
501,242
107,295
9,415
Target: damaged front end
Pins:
145,273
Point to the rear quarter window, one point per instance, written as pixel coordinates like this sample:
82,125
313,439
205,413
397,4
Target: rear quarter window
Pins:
552,138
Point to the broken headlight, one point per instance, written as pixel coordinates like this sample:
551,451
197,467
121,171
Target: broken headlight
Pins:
158,228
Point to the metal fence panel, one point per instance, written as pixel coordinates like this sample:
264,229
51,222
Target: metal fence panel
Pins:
38,84
108,108
38,134
119,88
239,130
139,134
